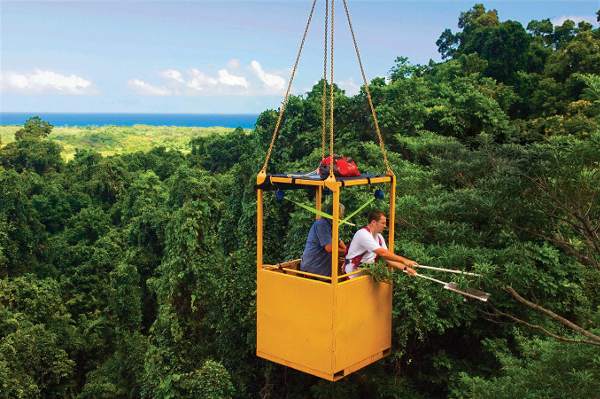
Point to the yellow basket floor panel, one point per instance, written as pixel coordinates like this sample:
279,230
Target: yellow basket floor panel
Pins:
327,376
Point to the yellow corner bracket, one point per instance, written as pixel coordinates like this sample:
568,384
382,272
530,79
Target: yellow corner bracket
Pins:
332,184
261,177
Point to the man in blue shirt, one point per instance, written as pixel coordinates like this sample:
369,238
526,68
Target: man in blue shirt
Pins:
316,257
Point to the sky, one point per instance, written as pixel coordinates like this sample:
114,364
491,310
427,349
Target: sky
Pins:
214,56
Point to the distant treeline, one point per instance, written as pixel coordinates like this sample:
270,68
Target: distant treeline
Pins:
114,140
133,275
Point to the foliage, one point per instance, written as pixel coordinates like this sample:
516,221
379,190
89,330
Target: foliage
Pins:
127,255
379,271
34,128
113,140
543,369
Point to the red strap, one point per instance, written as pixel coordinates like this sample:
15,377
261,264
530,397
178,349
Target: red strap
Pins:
358,258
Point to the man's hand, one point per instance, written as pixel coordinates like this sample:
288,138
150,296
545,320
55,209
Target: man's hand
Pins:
410,263
410,271
341,247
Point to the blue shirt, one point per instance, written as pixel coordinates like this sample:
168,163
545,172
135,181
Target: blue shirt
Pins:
314,258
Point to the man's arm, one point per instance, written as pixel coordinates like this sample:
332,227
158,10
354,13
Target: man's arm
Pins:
341,246
402,267
387,255
397,261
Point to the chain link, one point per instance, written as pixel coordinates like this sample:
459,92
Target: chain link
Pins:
287,92
324,97
331,90
331,161
368,91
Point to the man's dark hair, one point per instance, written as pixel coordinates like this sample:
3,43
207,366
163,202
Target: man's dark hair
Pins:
375,215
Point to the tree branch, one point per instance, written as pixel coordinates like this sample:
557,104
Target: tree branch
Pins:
564,245
554,316
542,329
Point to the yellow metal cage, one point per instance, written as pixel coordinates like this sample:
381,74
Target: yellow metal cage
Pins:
325,326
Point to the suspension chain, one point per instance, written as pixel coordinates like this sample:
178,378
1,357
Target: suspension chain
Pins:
324,97
287,92
331,93
368,91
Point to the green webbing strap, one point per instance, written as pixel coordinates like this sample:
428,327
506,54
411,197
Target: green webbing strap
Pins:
328,216
363,206
318,212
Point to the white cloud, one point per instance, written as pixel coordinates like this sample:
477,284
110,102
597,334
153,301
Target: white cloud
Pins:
272,81
200,81
232,80
173,74
147,89
558,21
41,81
228,79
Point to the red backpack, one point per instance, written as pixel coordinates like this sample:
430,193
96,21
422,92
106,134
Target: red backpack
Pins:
342,166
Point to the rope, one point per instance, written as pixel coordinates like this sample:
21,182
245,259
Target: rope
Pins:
324,99
331,94
368,91
287,92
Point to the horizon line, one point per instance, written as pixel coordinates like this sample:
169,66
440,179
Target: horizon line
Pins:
130,113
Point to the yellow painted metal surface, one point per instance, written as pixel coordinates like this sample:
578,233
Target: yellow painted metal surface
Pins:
300,326
259,228
318,201
363,329
362,182
392,214
294,320
300,182
325,328
323,183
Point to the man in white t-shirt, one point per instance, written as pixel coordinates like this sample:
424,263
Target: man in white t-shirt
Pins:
368,244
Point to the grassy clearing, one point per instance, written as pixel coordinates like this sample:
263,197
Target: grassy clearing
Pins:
111,140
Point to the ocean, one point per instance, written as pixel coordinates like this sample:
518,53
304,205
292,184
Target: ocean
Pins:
101,119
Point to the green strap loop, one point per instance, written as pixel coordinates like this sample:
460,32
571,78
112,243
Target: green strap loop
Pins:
363,206
318,212
328,216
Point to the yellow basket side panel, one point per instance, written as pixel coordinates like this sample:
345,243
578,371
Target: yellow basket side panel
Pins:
294,320
364,322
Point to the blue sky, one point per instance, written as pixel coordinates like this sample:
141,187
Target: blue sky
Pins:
212,56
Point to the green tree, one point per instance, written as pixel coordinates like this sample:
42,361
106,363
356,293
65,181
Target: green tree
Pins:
34,128
543,369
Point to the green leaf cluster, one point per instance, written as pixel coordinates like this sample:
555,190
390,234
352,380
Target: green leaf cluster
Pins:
127,274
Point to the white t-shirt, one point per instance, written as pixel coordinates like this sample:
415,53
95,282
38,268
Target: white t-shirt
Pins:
363,243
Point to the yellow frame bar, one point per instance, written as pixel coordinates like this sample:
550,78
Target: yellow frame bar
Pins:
282,292
362,182
301,182
335,187
321,183
295,271
318,201
392,214
335,235
259,230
